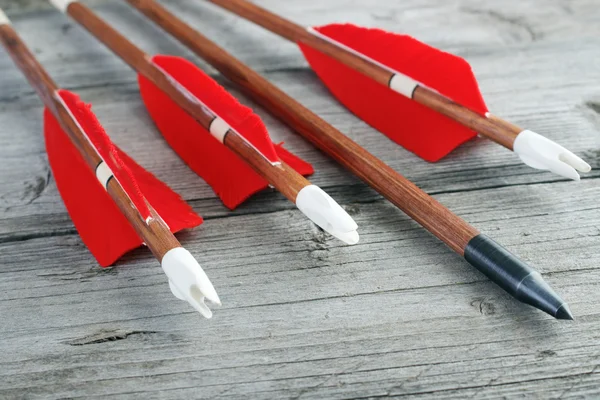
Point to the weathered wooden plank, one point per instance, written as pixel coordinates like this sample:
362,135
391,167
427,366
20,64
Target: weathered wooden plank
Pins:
360,320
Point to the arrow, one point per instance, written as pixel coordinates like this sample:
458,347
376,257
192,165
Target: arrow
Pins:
187,104
493,260
433,95
109,197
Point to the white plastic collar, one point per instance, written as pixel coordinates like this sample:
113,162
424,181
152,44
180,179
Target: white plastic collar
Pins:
103,173
540,152
62,5
188,281
219,128
403,84
327,213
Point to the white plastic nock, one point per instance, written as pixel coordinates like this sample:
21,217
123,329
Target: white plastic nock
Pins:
188,281
540,152
62,5
4,18
327,213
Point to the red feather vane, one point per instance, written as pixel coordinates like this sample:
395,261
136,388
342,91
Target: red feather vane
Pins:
102,226
230,177
417,128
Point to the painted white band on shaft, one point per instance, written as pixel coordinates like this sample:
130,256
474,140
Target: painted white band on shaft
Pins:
3,18
62,5
103,173
403,84
219,128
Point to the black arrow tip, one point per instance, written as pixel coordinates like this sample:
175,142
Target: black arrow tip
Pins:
564,312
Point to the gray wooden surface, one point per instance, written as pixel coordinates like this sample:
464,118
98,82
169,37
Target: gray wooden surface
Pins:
398,315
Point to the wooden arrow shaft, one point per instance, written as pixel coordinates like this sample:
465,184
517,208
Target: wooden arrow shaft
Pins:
156,233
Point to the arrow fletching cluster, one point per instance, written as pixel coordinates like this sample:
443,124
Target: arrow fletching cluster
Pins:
230,177
415,127
102,226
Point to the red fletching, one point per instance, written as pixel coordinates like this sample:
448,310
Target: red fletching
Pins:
417,128
100,140
229,176
102,227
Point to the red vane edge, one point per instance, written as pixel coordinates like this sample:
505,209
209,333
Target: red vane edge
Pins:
417,128
229,176
103,228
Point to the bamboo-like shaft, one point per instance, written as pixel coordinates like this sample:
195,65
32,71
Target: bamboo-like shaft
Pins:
286,180
156,233
428,212
496,130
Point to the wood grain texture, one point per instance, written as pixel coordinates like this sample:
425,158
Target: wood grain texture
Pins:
398,315
494,129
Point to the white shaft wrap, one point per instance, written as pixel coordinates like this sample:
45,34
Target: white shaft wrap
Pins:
4,18
219,128
540,152
327,213
62,5
403,84
103,173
